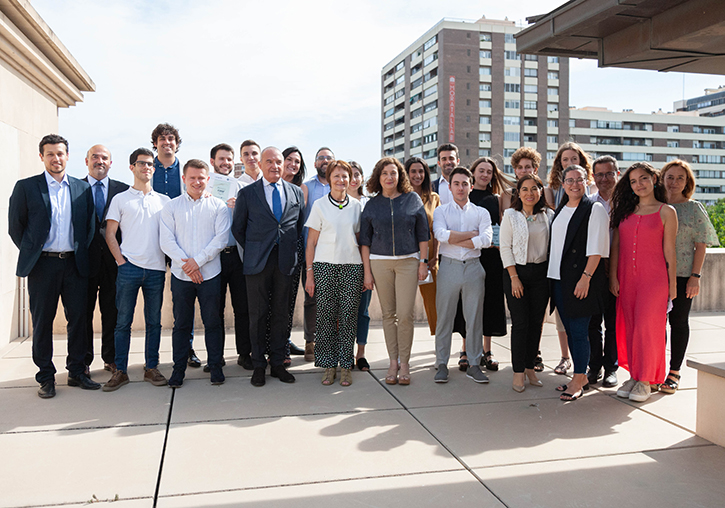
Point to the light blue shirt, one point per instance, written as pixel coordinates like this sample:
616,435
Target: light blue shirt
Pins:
104,185
60,237
269,189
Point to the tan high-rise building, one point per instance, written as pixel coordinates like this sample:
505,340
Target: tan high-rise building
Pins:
463,82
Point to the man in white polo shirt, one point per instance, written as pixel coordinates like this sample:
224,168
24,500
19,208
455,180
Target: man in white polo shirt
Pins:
194,230
462,229
141,264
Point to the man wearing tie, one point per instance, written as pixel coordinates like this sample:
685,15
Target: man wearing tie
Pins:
268,220
51,220
103,269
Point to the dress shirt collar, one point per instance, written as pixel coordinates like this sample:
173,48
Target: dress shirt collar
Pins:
189,198
159,165
50,180
465,207
266,182
92,181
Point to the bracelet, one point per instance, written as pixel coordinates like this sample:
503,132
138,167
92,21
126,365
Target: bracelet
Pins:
587,274
515,276
309,268
697,275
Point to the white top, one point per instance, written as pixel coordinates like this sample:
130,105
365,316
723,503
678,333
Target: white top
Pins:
60,236
196,229
138,216
269,189
597,236
337,243
245,179
451,217
523,241
444,191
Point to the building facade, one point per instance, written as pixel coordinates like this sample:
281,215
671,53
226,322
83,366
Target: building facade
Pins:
463,82
656,138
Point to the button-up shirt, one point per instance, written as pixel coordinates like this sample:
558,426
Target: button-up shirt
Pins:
196,229
444,191
167,181
245,179
451,217
269,189
60,237
104,186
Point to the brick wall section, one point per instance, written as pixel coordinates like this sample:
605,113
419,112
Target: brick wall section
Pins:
497,96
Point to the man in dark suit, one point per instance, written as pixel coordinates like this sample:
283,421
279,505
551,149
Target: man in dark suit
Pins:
268,220
103,269
51,221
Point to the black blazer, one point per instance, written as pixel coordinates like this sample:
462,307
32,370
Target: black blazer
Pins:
98,251
573,262
29,221
435,185
256,228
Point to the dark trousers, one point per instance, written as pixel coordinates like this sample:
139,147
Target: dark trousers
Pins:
50,279
184,293
232,275
604,345
310,312
577,330
103,287
267,289
679,324
527,313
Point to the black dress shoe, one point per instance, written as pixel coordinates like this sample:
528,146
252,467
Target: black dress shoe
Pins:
245,361
84,382
610,380
194,360
208,369
281,373
295,350
258,376
47,390
594,376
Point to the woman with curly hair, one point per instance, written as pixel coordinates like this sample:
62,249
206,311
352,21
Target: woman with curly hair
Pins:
694,234
643,275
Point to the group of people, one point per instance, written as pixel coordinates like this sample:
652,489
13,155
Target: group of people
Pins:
470,241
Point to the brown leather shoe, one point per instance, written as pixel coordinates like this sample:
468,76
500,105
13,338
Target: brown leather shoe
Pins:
309,351
110,367
118,379
154,377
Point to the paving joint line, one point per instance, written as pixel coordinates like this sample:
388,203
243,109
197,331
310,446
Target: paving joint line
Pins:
163,448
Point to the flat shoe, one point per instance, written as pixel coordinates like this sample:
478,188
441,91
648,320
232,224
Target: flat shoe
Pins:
363,364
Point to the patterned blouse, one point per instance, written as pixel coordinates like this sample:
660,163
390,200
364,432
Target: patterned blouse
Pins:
693,226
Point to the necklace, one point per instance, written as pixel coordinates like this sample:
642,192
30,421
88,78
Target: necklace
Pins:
339,204
529,218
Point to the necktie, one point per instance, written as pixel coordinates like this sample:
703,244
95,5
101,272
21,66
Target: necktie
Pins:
99,199
276,203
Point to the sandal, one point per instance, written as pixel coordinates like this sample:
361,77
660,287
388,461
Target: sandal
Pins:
563,388
569,397
391,379
287,361
363,364
563,367
345,377
538,363
329,376
489,361
463,362
671,383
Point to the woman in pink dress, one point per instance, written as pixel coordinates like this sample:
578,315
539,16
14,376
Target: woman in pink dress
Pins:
642,276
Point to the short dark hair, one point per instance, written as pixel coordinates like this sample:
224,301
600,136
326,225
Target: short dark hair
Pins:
52,139
540,205
324,148
249,142
374,186
163,129
196,163
221,146
447,147
139,151
462,170
606,159
333,165
425,187
300,176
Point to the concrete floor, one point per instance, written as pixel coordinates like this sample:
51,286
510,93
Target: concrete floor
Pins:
457,444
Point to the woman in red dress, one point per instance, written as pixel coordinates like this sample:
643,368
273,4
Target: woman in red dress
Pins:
642,276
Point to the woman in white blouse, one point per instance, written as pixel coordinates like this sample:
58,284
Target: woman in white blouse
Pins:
524,239
334,268
579,239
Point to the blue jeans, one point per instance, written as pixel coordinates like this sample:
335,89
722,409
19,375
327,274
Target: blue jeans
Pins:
128,281
577,331
363,318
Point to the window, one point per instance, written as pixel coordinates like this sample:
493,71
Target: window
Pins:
552,139
484,152
389,86
399,107
551,155
430,154
552,91
415,98
572,123
552,75
673,128
484,120
388,139
399,93
389,113
511,55
485,37
400,80
512,71
484,53
416,83
512,136
484,137
430,90
388,152
530,138
673,144
529,104
400,66
509,38
602,124
508,152
430,106
531,58
430,122
416,113
532,73
511,120
484,87
430,138
430,42
709,174
430,75
508,168
531,89
530,122
389,100
388,126
486,103
415,69
512,87
552,123
430,58
484,71
552,59
708,144
552,106
415,128
636,156
512,104
399,148
415,143
707,159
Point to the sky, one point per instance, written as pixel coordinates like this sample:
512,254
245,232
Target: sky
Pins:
280,72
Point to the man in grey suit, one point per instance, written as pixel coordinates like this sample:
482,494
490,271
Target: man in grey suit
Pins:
268,220
51,220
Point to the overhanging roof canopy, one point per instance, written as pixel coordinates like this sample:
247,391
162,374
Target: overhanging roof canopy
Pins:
662,35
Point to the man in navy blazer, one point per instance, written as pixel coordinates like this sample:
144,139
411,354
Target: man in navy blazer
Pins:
103,268
51,220
268,220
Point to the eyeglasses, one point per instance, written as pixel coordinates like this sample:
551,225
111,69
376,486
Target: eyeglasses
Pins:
601,176
572,181
141,164
324,158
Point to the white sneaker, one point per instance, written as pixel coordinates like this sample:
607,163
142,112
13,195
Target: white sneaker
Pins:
626,388
640,392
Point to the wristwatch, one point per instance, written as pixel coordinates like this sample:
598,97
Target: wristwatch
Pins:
693,274
425,260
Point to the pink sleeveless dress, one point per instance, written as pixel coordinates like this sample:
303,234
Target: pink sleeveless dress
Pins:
643,294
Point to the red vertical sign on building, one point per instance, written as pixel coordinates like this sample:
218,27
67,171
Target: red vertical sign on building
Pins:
451,109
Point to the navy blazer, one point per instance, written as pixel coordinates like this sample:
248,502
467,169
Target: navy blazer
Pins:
98,249
29,218
256,228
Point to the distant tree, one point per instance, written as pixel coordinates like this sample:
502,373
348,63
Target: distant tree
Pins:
717,217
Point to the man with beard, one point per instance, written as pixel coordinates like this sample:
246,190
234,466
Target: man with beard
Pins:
103,268
317,187
232,274
447,161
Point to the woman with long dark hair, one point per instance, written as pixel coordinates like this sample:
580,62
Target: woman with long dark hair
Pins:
643,275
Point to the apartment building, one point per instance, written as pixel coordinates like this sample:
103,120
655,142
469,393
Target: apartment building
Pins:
463,82
657,138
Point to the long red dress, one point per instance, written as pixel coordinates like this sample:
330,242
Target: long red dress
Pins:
643,294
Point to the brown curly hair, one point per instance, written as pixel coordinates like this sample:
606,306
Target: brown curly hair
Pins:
526,152
625,201
163,129
374,187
